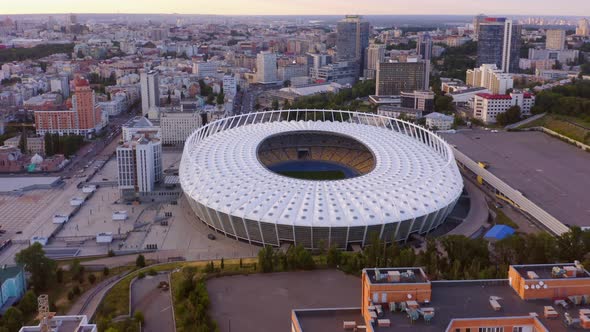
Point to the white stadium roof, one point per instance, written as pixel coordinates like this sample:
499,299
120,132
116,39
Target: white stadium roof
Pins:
410,179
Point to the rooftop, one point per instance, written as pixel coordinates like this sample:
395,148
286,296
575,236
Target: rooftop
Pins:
545,271
9,272
450,300
406,275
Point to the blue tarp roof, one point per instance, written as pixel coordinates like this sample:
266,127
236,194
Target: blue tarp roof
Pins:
499,232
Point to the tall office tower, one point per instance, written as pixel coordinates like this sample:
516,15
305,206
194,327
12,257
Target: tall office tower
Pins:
583,28
499,44
266,67
139,163
150,91
555,40
395,77
424,46
375,55
479,19
84,106
352,39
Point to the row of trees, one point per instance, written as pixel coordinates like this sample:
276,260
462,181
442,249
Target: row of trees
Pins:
33,53
572,100
296,258
64,144
512,115
453,257
456,60
341,100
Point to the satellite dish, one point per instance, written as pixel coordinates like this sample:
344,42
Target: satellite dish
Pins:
526,286
541,283
409,296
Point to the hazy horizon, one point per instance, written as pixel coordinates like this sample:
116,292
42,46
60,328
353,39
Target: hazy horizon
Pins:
300,7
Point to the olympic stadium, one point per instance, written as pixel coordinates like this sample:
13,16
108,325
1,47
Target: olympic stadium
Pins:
315,177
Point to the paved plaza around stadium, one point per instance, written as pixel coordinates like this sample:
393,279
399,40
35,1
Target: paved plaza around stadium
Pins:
549,172
263,302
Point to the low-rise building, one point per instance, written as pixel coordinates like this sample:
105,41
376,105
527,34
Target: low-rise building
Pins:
539,298
486,107
35,144
439,121
13,286
136,125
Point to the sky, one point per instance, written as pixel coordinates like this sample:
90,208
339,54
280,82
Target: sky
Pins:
301,7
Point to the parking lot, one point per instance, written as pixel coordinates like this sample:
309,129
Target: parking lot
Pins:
263,302
154,303
549,172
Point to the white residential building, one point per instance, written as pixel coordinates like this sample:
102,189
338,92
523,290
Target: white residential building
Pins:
230,86
150,91
266,67
139,164
375,55
60,84
178,126
205,69
490,77
486,107
439,121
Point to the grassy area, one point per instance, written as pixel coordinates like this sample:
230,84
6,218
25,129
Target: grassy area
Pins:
502,218
564,125
315,175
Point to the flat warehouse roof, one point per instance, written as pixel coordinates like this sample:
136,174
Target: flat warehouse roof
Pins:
549,172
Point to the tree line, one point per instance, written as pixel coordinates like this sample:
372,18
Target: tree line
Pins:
62,144
452,257
345,99
571,100
33,53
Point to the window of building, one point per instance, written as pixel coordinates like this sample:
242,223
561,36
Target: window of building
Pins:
491,329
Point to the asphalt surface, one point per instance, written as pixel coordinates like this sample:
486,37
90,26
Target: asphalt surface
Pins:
549,172
263,302
154,303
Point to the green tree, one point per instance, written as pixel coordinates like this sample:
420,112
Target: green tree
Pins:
222,263
28,304
140,261
275,104
512,115
105,271
91,278
42,269
138,317
22,142
286,105
220,100
333,256
266,259
12,319
443,104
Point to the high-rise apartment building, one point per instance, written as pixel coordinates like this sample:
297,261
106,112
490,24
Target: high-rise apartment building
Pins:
490,77
266,67
583,28
84,118
395,77
352,39
499,44
205,69
61,84
424,46
230,85
150,91
555,39
139,163
375,55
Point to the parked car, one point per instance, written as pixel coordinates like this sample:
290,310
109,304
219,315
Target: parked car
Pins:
211,236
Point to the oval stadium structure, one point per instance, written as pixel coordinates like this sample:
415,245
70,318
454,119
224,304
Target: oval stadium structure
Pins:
314,178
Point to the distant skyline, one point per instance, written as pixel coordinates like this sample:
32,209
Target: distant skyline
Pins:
302,7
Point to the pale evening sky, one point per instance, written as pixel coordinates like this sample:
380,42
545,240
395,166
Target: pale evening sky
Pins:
303,7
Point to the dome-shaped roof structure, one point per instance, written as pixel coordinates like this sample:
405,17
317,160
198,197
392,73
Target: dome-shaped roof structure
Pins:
36,159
